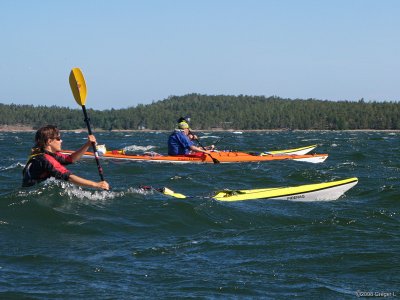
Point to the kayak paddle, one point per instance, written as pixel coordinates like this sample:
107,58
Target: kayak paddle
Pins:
78,88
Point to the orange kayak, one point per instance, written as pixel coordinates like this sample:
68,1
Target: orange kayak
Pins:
221,156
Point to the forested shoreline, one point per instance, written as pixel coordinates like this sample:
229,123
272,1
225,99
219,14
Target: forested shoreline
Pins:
217,112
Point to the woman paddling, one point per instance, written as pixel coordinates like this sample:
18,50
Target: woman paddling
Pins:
47,161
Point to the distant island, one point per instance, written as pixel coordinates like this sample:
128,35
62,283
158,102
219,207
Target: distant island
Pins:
213,112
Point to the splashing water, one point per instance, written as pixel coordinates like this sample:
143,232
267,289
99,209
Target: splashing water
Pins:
134,148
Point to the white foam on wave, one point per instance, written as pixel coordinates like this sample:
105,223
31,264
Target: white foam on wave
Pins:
72,191
138,148
69,191
97,197
210,136
139,191
81,193
13,166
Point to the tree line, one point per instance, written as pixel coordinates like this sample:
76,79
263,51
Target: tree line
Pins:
217,112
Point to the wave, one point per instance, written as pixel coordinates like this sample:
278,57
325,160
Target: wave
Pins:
135,148
209,137
16,165
62,190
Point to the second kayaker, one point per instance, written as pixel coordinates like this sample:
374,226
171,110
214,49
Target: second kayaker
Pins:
186,119
179,142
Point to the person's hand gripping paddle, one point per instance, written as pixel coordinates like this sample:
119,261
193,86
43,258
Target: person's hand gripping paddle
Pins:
215,161
78,88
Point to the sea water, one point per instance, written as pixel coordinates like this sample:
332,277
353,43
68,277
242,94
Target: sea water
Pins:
60,241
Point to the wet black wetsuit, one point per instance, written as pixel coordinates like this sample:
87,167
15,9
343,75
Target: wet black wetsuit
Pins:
45,165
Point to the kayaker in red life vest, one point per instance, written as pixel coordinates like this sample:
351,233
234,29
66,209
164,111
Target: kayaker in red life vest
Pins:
47,161
179,142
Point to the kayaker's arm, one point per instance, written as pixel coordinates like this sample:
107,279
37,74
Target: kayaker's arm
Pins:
78,153
85,182
198,149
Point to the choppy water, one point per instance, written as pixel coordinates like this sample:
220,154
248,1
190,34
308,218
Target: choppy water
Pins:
59,241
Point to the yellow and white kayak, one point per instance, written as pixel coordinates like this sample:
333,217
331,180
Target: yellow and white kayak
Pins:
325,191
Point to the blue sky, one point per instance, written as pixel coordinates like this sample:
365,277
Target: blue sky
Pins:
134,52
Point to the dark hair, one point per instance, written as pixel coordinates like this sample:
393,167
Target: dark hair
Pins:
184,119
43,135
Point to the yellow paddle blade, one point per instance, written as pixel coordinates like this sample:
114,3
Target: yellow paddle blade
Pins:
78,86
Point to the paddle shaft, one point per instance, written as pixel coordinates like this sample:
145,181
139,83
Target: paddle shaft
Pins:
96,154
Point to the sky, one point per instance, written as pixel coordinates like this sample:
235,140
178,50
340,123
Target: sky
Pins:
137,52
